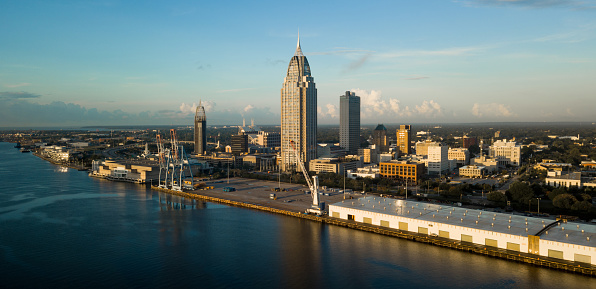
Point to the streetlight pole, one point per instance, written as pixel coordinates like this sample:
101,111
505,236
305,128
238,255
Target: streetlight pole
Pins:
529,204
538,204
345,183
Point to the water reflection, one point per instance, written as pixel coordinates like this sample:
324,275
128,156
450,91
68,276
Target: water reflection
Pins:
169,202
60,169
69,230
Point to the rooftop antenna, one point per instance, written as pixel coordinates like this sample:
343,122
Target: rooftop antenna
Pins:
298,49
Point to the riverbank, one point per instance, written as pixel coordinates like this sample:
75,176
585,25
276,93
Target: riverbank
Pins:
218,196
72,166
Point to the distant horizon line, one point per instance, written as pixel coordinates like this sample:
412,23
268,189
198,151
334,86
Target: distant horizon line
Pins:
534,123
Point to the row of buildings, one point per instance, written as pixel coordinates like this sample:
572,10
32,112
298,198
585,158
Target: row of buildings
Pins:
405,160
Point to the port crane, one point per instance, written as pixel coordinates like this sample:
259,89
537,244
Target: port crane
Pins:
173,164
317,206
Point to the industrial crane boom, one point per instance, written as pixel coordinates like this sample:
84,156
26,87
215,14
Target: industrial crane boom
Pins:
314,186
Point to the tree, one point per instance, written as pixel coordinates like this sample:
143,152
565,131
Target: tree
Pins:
521,192
586,197
564,201
582,206
455,191
443,187
497,197
537,189
558,191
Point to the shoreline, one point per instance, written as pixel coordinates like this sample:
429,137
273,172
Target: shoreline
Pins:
78,168
436,241
541,261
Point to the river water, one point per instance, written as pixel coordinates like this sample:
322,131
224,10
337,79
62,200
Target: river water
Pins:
61,228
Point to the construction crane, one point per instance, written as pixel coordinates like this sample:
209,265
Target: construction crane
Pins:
317,207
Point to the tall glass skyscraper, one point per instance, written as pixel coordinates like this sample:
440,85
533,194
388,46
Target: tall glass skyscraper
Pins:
200,130
349,122
298,113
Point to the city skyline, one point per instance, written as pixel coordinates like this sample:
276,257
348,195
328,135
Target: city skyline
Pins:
114,62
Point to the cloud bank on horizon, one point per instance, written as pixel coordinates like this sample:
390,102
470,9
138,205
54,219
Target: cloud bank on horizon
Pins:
498,60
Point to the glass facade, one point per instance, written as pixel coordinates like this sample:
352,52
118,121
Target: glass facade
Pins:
349,122
298,113
200,136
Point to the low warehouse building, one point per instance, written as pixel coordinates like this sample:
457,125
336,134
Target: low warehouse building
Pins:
544,237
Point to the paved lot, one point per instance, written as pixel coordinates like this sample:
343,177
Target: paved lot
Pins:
257,192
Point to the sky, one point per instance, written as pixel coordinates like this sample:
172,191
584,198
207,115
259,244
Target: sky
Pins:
69,63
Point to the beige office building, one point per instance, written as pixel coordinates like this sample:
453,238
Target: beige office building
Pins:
298,113
404,137
461,155
508,151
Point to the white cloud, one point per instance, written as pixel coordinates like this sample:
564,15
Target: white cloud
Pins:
187,109
569,112
429,109
371,101
331,111
567,4
17,85
455,51
248,108
394,105
491,110
208,105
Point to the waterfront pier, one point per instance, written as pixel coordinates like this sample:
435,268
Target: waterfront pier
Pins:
292,200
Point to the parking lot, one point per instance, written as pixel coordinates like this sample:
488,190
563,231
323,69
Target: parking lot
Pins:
292,197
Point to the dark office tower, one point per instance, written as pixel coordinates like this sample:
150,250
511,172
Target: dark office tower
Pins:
404,138
380,138
200,130
349,122
239,144
298,113
467,141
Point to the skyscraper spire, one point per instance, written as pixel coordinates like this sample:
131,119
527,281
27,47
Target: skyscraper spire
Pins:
298,113
200,133
298,49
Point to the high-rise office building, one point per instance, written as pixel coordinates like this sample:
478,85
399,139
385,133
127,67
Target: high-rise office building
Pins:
380,138
239,144
298,113
467,141
200,130
404,137
349,122
438,159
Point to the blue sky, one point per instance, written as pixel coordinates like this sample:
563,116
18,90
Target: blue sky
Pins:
150,62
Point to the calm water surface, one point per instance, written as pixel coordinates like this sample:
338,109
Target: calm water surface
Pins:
61,228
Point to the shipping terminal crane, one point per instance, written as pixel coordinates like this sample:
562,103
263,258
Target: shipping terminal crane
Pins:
318,208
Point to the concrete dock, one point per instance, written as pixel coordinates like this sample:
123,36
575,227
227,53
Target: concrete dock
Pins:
255,194
293,197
